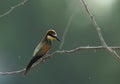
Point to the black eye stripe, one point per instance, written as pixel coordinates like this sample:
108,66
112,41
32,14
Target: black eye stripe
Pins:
51,35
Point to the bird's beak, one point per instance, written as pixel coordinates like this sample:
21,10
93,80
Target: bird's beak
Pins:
57,38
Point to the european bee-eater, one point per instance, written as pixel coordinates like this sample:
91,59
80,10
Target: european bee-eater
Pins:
42,48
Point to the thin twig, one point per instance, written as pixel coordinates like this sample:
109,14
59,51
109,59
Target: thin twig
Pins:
13,7
98,30
67,27
66,30
48,56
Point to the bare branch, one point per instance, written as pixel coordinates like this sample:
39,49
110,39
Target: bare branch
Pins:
98,30
13,7
66,30
48,56
67,27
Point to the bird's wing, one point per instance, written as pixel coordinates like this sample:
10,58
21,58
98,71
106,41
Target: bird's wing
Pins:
37,49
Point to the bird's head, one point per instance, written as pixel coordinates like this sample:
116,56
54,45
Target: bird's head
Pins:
52,35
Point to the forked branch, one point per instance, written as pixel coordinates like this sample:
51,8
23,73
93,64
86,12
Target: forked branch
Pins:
98,30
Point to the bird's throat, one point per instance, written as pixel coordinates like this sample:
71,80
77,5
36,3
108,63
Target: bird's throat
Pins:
50,38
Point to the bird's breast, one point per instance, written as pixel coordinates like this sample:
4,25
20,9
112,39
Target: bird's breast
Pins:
45,48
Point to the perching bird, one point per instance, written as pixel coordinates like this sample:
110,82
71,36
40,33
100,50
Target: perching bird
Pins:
42,48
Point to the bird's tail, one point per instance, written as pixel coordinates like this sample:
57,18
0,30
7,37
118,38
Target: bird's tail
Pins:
32,61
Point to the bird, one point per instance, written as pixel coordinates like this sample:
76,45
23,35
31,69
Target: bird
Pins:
42,48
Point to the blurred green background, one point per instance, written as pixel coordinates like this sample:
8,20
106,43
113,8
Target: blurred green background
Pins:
23,28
